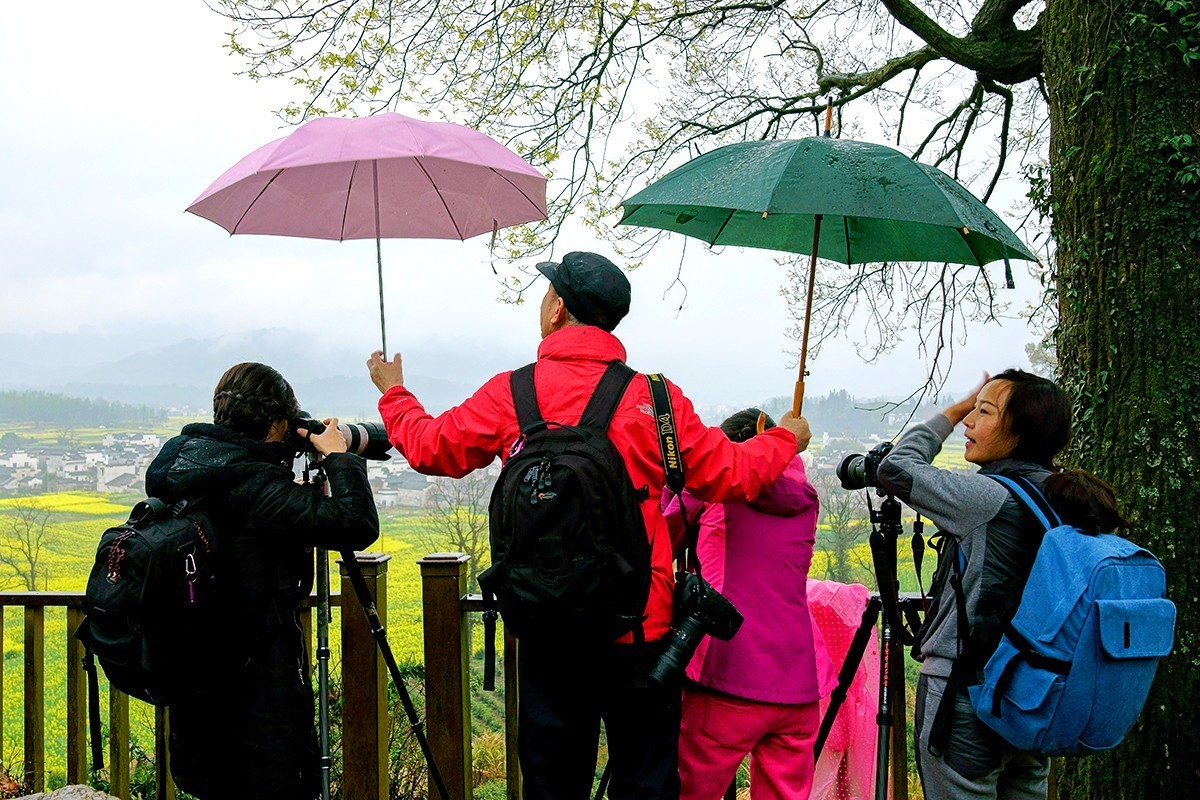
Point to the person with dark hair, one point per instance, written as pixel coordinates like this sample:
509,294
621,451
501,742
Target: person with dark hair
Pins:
758,693
249,732
1016,423
566,687
1084,501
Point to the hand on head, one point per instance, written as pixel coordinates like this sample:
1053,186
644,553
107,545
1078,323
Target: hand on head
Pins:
799,428
957,412
385,374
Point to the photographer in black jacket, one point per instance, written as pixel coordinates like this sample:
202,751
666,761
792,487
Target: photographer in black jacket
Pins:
249,732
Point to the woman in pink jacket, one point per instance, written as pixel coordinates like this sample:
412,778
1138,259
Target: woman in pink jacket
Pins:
759,692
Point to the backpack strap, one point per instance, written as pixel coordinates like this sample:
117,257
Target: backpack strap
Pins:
1031,498
93,705
603,404
524,397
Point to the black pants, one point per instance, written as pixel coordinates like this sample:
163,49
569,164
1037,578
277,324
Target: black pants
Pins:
565,691
250,734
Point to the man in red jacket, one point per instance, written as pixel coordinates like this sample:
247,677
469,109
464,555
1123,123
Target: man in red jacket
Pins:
564,693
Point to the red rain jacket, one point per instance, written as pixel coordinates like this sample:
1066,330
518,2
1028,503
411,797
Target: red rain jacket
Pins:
570,363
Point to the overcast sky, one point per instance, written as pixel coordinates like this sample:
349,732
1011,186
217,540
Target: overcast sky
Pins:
116,116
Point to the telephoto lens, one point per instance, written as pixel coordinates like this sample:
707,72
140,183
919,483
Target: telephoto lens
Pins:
701,611
681,644
366,439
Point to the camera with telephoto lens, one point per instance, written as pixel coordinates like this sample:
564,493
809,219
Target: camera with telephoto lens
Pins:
367,439
859,470
700,610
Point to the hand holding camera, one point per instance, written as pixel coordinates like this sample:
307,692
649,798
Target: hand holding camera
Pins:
325,441
367,439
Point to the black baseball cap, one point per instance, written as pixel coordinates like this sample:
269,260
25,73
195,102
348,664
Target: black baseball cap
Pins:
594,289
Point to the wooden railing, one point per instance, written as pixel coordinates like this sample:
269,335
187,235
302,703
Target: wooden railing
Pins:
446,606
364,735
447,646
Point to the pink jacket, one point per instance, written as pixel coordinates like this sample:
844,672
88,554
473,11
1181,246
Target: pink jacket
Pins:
757,554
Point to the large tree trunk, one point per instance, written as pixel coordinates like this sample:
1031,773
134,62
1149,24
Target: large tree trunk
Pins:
1127,227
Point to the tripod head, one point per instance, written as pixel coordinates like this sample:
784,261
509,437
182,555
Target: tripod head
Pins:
885,535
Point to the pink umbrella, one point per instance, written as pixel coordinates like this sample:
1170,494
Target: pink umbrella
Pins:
386,175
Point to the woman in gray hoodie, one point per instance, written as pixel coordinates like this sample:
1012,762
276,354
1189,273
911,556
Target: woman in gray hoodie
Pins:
1016,423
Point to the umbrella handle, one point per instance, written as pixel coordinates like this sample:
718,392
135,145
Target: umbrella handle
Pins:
798,399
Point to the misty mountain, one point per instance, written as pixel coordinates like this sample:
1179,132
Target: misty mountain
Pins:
329,380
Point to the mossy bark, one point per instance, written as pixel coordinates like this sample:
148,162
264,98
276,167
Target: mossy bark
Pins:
1125,120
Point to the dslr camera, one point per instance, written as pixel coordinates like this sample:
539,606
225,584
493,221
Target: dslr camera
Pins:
859,470
367,439
700,610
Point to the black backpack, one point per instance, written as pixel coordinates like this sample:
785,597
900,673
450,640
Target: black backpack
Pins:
570,555
153,607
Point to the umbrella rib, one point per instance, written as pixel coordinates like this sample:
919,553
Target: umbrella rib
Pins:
453,222
521,192
846,230
250,205
722,228
346,208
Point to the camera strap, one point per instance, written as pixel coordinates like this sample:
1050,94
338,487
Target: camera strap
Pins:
668,445
668,442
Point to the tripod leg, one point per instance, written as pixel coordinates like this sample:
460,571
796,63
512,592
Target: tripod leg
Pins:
380,635
323,654
854,655
883,748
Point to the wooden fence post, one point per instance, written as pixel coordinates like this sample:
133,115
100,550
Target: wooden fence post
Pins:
1,676
118,743
512,764
35,699
364,686
447,685
77,713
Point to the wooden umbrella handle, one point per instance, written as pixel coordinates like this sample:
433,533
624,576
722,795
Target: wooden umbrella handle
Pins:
798,399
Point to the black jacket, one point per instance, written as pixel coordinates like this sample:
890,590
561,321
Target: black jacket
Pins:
253,728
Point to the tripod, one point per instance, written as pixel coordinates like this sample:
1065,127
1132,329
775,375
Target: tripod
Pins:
900,620
378,633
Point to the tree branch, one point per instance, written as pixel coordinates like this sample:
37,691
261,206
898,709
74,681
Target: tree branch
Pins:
995,47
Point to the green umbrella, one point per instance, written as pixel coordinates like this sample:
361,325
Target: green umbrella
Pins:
874,204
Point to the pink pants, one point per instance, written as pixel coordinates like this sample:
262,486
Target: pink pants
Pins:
717,732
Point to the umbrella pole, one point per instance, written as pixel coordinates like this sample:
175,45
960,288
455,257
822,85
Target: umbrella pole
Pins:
798,396
382,327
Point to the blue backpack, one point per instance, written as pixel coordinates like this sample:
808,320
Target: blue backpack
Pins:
1075,665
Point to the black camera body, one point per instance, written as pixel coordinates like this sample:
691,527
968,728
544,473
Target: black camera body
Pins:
700,611
367,439
860,470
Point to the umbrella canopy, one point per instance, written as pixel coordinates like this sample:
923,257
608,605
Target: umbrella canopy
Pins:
384,176
875,203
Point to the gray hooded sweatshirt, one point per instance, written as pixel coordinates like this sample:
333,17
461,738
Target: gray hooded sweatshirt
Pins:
998,538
